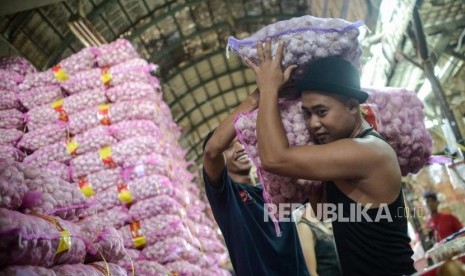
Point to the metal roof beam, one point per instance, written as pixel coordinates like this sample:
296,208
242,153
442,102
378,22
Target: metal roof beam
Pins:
14,6
229,72
445,26
158,19
215,114
69,38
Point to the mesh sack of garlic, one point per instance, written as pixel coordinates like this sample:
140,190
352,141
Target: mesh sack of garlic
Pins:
306,38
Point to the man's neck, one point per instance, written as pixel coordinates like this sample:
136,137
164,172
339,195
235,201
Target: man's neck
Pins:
240,178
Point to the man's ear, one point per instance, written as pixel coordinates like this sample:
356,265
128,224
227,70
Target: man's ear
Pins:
353,105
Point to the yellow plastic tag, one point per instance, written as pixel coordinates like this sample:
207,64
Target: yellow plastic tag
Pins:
139,241
85,187
87,191
57,103
125,196
59,73
105,152
65,241
71,146
106,78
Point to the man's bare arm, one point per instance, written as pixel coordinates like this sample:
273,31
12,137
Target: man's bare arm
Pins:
213,159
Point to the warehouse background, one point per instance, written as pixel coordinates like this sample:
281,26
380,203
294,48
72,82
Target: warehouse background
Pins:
405,41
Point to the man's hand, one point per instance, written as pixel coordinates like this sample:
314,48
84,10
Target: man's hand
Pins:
268,73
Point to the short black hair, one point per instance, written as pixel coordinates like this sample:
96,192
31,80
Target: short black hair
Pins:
430,194
205,141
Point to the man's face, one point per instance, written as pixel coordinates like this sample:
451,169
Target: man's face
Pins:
236,158
432,204
328,118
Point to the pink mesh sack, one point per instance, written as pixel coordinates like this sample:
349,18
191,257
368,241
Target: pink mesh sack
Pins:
151,207
11,118
101,180
92,269
60,110
402,118
80,61
133,191
17,64
10,80
135,70
116,52
38,240
184,268
41,95
103,243
150,268
27,270
65,150
9,99
12,186
58,169
111,157
140,166
10,136
151,230
133,91
54,196
277,189
10,152
47,135
129,129
172,249
115,217
306,38
114,113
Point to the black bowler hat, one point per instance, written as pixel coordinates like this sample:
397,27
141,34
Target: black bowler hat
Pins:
333,75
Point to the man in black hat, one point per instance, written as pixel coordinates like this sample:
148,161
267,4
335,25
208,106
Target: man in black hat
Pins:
360,170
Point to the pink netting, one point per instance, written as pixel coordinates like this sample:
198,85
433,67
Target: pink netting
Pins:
132,91
11,118
49,113
10,136
17,64
116,52
41,95
64,151
277,189
402,119
31,240
307,39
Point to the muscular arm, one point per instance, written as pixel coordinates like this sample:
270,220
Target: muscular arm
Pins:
213,159
342,159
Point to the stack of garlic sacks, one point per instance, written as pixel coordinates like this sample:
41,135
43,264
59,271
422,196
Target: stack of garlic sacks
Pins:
104,127
39,234
12,72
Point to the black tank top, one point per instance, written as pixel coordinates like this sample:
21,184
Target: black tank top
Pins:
377,242
325,251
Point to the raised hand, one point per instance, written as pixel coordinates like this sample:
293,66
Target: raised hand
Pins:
268,73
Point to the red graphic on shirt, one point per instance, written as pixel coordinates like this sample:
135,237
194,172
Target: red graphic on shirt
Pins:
245,196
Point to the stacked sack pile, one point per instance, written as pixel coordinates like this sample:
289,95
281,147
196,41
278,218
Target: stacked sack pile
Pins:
12,72
98,120
395,113
39,229
40,208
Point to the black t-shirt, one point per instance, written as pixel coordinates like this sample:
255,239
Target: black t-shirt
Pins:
253,245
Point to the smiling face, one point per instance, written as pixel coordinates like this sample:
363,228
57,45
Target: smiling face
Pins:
237,160
329,118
